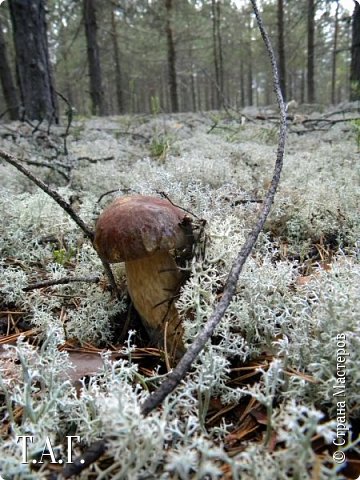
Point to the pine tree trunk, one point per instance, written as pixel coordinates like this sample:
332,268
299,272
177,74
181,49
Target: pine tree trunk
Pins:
68,84
355,55
193,91
116,51
281,47
199,93
242,84
33,68
290,85
171,57
333,69
8,85
311,51
302,87
207,96
96,88
217,53
216,98
220,52
250,99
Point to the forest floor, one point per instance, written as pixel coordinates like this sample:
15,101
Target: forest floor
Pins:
275,394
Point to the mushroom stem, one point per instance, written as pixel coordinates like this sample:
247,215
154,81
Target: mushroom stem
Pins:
144,232
153,282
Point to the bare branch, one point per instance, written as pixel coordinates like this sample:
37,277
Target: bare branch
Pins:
69,114
95,160
49,165
52,193
327,121
110,276
64,205
60,281
107,193
175,377
95,451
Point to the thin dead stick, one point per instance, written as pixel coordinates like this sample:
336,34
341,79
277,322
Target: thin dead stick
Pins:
95,451
174,378
95,160
329,122
60,281
69,114
48,165
63,204
52,193
110,276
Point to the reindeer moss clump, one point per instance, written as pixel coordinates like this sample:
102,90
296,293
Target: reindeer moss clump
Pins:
259,401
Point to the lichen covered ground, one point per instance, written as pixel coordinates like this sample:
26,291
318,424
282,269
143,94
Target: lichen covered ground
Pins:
260,401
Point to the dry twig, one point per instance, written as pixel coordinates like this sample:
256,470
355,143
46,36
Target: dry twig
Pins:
52,193
69,114
95,160
52,166
63,204
174,378
60,281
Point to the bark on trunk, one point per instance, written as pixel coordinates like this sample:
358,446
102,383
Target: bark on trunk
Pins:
242,84
311,51
171,57
217,53
355,55
250,99
333,70
302,87
199,93
96,89
220,52
7,82
68,83
117,64
34,72
216,100
281,47
193,91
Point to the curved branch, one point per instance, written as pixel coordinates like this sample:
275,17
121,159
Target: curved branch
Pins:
52,193
174,378
60,281
65,206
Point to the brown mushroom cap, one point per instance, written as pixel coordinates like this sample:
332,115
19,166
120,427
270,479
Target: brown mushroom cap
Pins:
137,226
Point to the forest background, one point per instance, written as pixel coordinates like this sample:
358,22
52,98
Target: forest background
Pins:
174,55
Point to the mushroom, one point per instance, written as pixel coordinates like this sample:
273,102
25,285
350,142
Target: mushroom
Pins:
148,233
